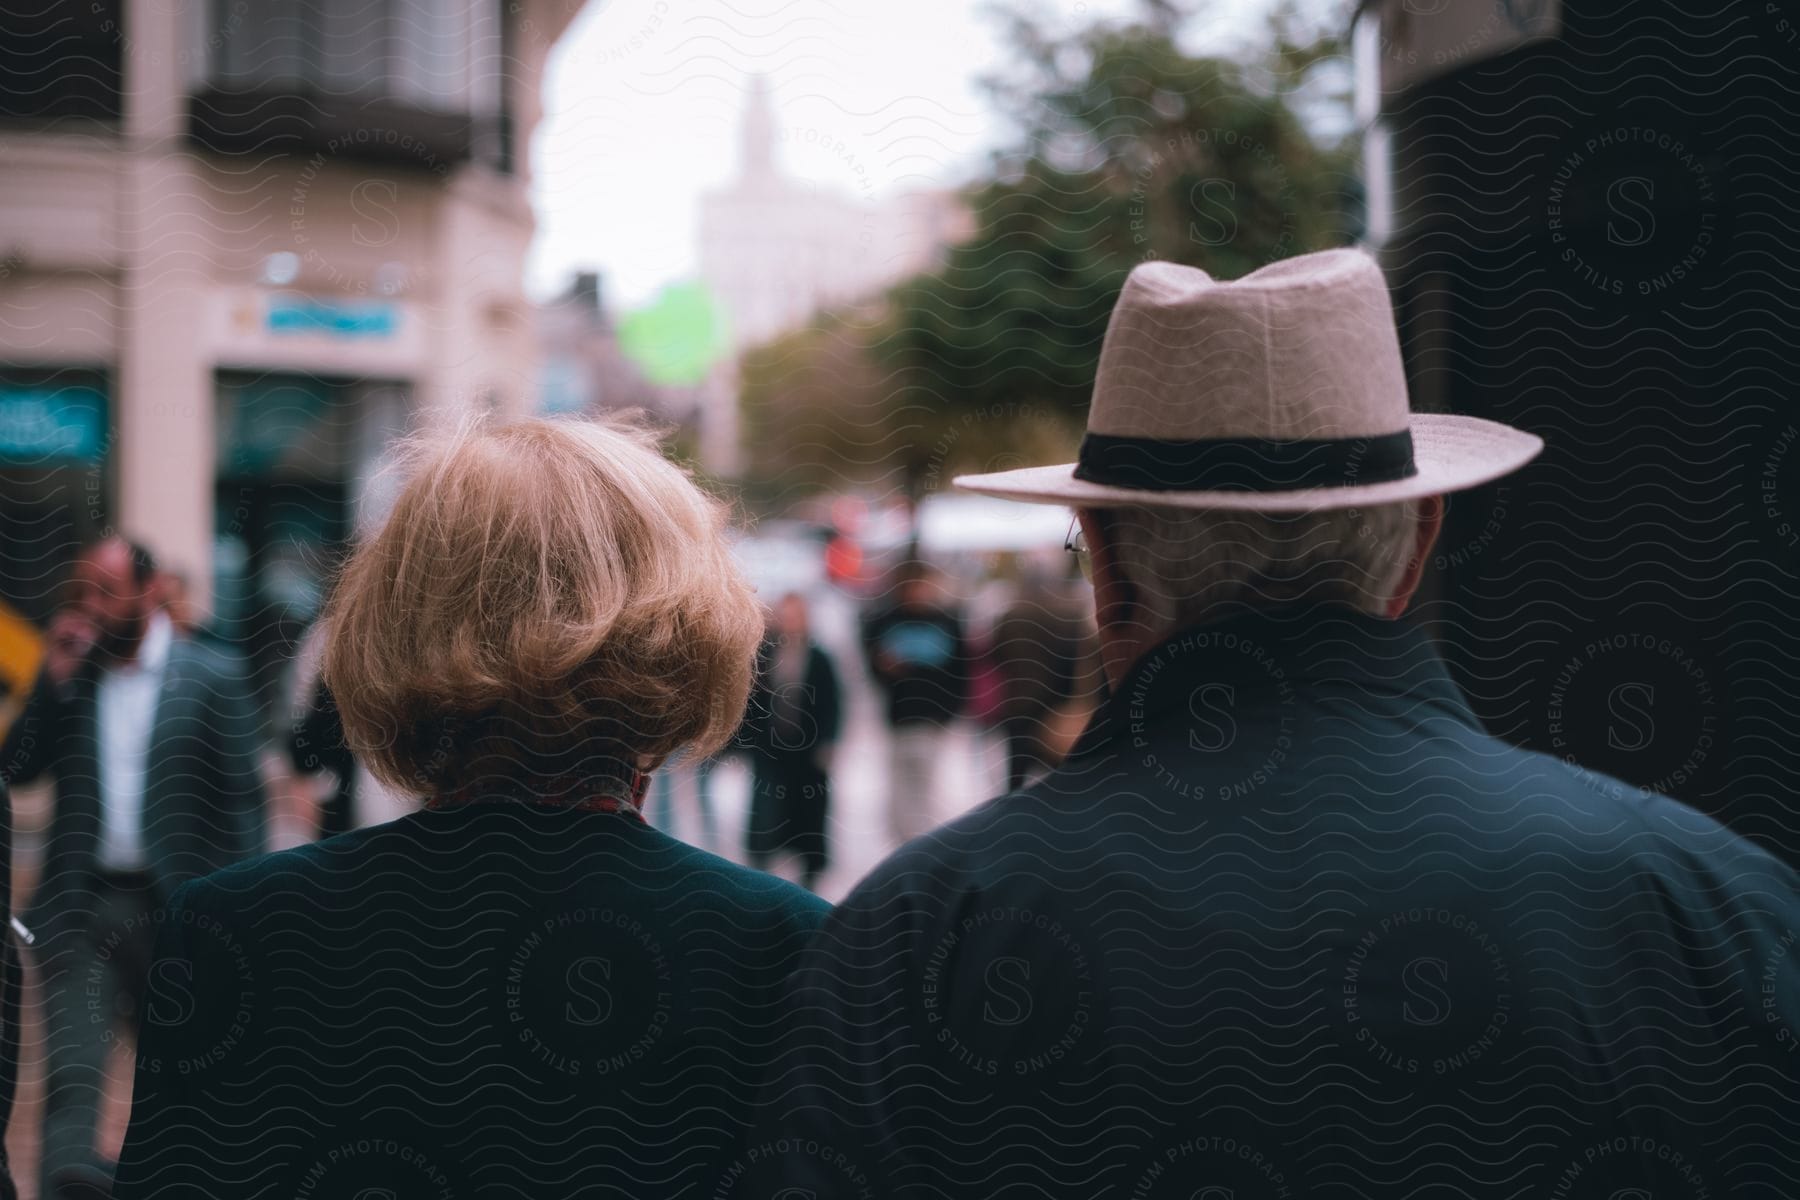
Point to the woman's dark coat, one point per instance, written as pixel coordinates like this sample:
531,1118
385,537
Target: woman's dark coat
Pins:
494,1000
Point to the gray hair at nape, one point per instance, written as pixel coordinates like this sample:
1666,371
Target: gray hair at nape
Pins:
1192,567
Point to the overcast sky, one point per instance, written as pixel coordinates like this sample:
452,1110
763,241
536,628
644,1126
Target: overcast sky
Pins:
642,100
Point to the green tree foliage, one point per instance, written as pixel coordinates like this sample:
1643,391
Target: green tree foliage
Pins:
818,414
1130,148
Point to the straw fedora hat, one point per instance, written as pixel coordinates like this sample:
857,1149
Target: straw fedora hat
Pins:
1278,392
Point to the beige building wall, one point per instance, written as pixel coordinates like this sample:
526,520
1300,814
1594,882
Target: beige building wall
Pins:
131,250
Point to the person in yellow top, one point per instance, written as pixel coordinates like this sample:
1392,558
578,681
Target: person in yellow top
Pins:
21,654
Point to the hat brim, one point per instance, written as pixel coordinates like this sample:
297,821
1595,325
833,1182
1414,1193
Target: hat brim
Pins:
1452,453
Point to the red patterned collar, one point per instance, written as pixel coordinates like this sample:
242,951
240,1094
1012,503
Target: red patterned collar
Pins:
583,794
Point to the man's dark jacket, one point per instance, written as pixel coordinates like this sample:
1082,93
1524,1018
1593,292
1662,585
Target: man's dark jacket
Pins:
494,1000
929,685
203,793
1288,923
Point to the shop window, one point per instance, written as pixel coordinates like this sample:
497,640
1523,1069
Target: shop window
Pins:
53,449
293,454
60,61
411,82
53,493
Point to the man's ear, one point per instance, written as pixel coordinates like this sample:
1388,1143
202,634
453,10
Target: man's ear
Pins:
1116,608
1427,526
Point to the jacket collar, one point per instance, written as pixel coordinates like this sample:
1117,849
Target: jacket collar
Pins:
153,649
1282,657
159,648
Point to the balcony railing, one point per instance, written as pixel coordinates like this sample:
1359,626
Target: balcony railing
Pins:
400,81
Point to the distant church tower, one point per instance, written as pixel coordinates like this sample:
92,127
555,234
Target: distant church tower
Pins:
775,251
756,135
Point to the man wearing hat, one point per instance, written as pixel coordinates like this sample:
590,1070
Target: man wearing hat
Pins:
1287,921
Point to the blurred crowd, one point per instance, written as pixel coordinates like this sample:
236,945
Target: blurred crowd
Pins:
158,693
1232,768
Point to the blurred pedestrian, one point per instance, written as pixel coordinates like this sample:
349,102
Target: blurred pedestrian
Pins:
316,746
339,794
153,742
1289,921
918,654
1044,651
795,713
519,988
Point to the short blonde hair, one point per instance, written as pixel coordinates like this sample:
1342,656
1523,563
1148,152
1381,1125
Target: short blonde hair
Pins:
546,599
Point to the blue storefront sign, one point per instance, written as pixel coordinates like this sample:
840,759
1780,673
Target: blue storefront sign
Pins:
52,421
332,318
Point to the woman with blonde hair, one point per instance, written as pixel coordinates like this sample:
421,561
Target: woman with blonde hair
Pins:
519,989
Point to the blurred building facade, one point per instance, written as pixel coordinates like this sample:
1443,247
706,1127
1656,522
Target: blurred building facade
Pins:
243,244
776,251
583,367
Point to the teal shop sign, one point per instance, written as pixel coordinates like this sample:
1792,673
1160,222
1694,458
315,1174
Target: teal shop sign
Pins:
47,421
288,315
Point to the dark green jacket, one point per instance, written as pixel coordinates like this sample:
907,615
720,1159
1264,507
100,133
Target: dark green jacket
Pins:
1287,922
497,1000
203,790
